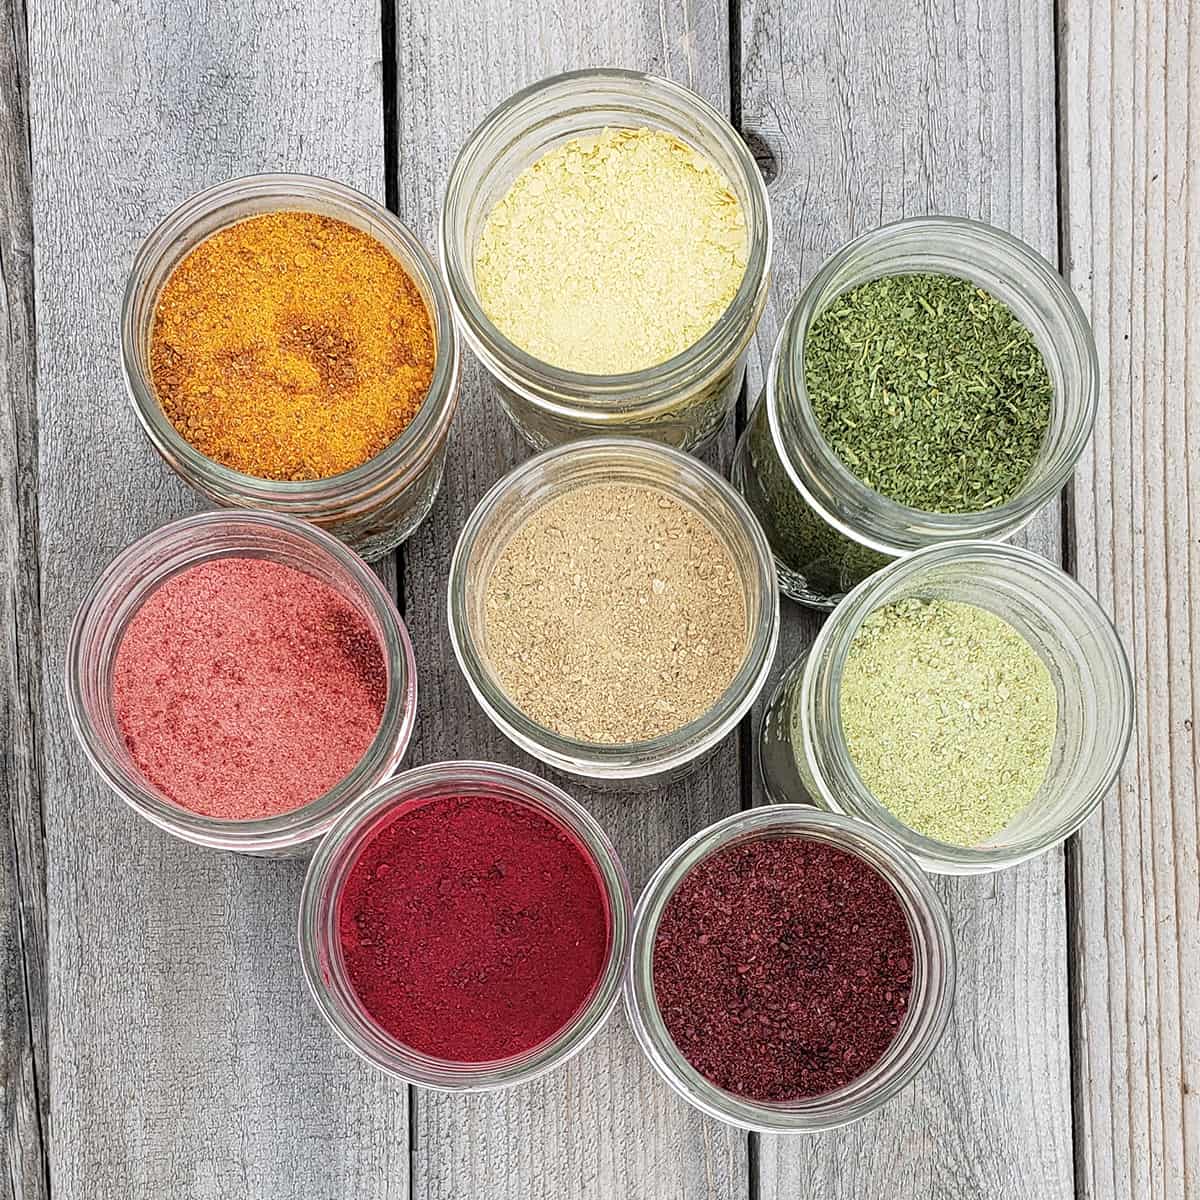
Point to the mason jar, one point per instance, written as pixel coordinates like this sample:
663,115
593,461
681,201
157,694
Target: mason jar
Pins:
683,401
374,506
802,746
933,972
320,945
128,582
827,529
506,508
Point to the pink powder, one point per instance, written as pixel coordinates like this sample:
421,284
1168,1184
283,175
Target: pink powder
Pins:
244,688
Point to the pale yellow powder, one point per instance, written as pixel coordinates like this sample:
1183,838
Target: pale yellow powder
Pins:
612,253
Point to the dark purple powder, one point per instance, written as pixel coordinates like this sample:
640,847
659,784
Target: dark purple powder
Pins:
783,968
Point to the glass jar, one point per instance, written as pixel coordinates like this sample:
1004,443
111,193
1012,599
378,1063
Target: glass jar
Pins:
933,973
802,748
373,507
139,570
828,530
509,505
683,401
320,945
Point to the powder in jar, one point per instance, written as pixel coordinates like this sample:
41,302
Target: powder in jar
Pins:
244,688
615,614
612,253
290,346
783,967
930,390
949,715
473,927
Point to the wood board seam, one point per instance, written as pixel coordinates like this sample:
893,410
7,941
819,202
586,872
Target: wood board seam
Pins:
1071,866
1178,887
741,418
1149,888
25,1083
1194,610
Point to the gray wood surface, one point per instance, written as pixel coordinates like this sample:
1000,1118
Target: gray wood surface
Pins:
872,113
1131,90
156,1038
605,1126
186,1059
23,1043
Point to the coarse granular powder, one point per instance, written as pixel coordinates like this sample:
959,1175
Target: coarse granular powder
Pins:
612,253
930,390
244,688
615,614
783,967
949,716
291,346
473,928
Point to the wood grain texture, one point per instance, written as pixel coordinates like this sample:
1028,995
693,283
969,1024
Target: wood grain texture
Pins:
186,1058
871,113
604,1126
1130,95
23,941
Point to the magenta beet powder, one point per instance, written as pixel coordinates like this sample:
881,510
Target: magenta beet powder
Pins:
783,968
473,928
244,688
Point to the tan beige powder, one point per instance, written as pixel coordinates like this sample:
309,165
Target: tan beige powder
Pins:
615,615
612,253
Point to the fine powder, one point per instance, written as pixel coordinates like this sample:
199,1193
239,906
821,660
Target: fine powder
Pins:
612,253
949,715
244,688
783,968
615,615
291,346
473,928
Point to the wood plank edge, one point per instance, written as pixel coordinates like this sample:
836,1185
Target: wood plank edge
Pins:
1072,864
25,1047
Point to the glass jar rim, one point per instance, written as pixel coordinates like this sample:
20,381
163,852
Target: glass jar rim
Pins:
404,456
832,645
899,1064
633,393
282,830
786,375
369,1041
631,760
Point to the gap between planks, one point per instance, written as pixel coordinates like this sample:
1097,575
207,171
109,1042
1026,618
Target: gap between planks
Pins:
23,934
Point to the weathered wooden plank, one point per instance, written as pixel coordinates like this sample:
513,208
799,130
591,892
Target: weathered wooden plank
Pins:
604,1126
23,1049
1130,90
871,113
185,1056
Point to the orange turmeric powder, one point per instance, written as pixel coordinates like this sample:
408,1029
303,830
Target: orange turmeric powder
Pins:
290,346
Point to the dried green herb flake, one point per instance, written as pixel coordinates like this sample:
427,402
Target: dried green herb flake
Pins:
930,390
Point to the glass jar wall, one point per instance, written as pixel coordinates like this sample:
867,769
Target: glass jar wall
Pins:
375,506
323,959
136,574
682,402
933,969
635,462
802,745
828,530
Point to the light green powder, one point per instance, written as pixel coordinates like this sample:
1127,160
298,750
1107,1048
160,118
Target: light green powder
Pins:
949,715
